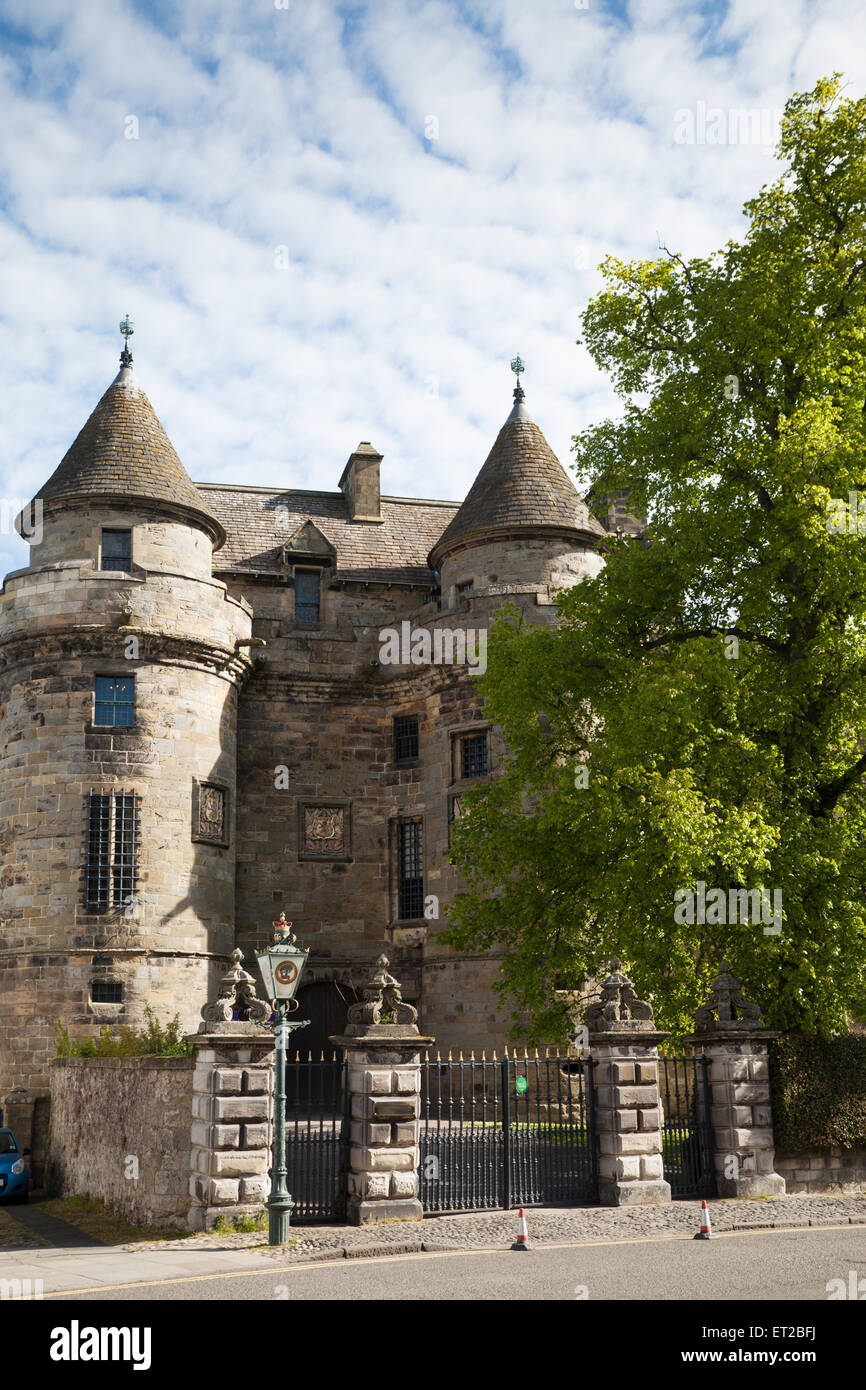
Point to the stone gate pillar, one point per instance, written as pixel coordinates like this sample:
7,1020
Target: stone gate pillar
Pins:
383,1048
731,1034
628,1118
232,1104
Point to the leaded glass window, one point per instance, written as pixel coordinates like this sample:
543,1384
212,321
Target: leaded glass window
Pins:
473,755
405,738
115,700
116,550
411,880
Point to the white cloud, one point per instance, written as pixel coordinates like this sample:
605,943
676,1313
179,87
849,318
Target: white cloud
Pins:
409,258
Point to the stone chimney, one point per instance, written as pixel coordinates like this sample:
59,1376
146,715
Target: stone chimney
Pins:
360,484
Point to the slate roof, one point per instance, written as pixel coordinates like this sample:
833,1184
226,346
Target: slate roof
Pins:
522,486
124,452
259,521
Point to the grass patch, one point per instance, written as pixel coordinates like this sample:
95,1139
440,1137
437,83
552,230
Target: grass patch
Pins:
235,1225
93,1218
151,1041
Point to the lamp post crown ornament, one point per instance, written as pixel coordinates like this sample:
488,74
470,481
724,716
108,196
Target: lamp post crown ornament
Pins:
283,935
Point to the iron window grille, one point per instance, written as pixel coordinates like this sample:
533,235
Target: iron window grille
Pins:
411,882
473,755
405,738
307,596
111,872
106,992
114,701
116,550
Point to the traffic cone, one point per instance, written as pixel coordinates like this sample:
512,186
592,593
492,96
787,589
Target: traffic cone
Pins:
706,1232
522,1241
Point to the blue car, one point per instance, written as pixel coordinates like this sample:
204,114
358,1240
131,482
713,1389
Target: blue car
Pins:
14,1172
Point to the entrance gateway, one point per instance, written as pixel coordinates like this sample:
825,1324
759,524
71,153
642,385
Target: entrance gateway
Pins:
495,1134
517,1131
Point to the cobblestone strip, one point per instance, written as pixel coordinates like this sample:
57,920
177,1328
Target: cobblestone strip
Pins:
547,1225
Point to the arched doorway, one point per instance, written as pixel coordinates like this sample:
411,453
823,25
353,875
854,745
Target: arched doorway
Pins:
325,1004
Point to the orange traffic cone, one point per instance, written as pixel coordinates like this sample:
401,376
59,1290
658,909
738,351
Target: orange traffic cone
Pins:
706,1232
522,1241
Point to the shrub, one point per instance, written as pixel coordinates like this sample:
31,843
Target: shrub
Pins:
819,1092
151,1041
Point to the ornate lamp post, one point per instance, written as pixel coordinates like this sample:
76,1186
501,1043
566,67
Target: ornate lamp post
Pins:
281,966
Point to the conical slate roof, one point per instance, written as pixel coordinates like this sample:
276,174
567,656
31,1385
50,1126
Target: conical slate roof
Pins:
521,487
124,454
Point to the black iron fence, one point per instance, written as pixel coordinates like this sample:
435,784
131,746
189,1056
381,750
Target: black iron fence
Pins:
687,1137
501,1133
317,1136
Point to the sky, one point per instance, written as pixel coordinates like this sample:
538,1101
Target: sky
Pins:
339,222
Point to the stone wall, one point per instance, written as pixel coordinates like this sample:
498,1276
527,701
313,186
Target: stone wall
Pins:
63,622
839,1173
320,708
108,1111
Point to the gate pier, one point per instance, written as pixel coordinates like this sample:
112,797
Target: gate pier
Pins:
384,1084
624,1044
731,1035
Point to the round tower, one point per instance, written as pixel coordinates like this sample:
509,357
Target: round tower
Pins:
523,526
120,662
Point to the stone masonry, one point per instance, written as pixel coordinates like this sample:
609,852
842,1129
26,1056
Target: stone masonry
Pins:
275,711
731,1035
384,1079
628,1114
232,1104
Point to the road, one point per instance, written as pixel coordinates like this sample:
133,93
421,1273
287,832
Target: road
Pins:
790,1265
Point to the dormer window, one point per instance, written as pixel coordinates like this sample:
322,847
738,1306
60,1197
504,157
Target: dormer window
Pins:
307,596
116,550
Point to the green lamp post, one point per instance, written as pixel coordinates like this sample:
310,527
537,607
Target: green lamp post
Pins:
281,967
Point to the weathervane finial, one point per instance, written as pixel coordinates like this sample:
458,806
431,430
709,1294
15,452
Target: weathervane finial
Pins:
127,329
517,366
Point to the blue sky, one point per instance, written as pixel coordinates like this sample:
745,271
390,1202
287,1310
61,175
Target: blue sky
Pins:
339,222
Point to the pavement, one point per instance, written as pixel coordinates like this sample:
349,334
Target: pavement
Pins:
66,1270
763,1267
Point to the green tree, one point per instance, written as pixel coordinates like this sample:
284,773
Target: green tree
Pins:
711,679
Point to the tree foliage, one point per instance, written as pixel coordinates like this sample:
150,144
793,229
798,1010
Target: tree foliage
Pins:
713,678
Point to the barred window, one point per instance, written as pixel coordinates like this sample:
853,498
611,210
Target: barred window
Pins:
114,701
116,550
106,992
473,755
405,738
111,872
307,600
411,882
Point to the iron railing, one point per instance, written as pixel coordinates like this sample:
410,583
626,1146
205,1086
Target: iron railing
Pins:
317,1136
499,1133
687,1136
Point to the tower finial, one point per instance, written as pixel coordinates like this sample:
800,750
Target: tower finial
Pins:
517,366
127,329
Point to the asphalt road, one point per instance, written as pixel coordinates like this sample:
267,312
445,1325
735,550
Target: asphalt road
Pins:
749,1265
